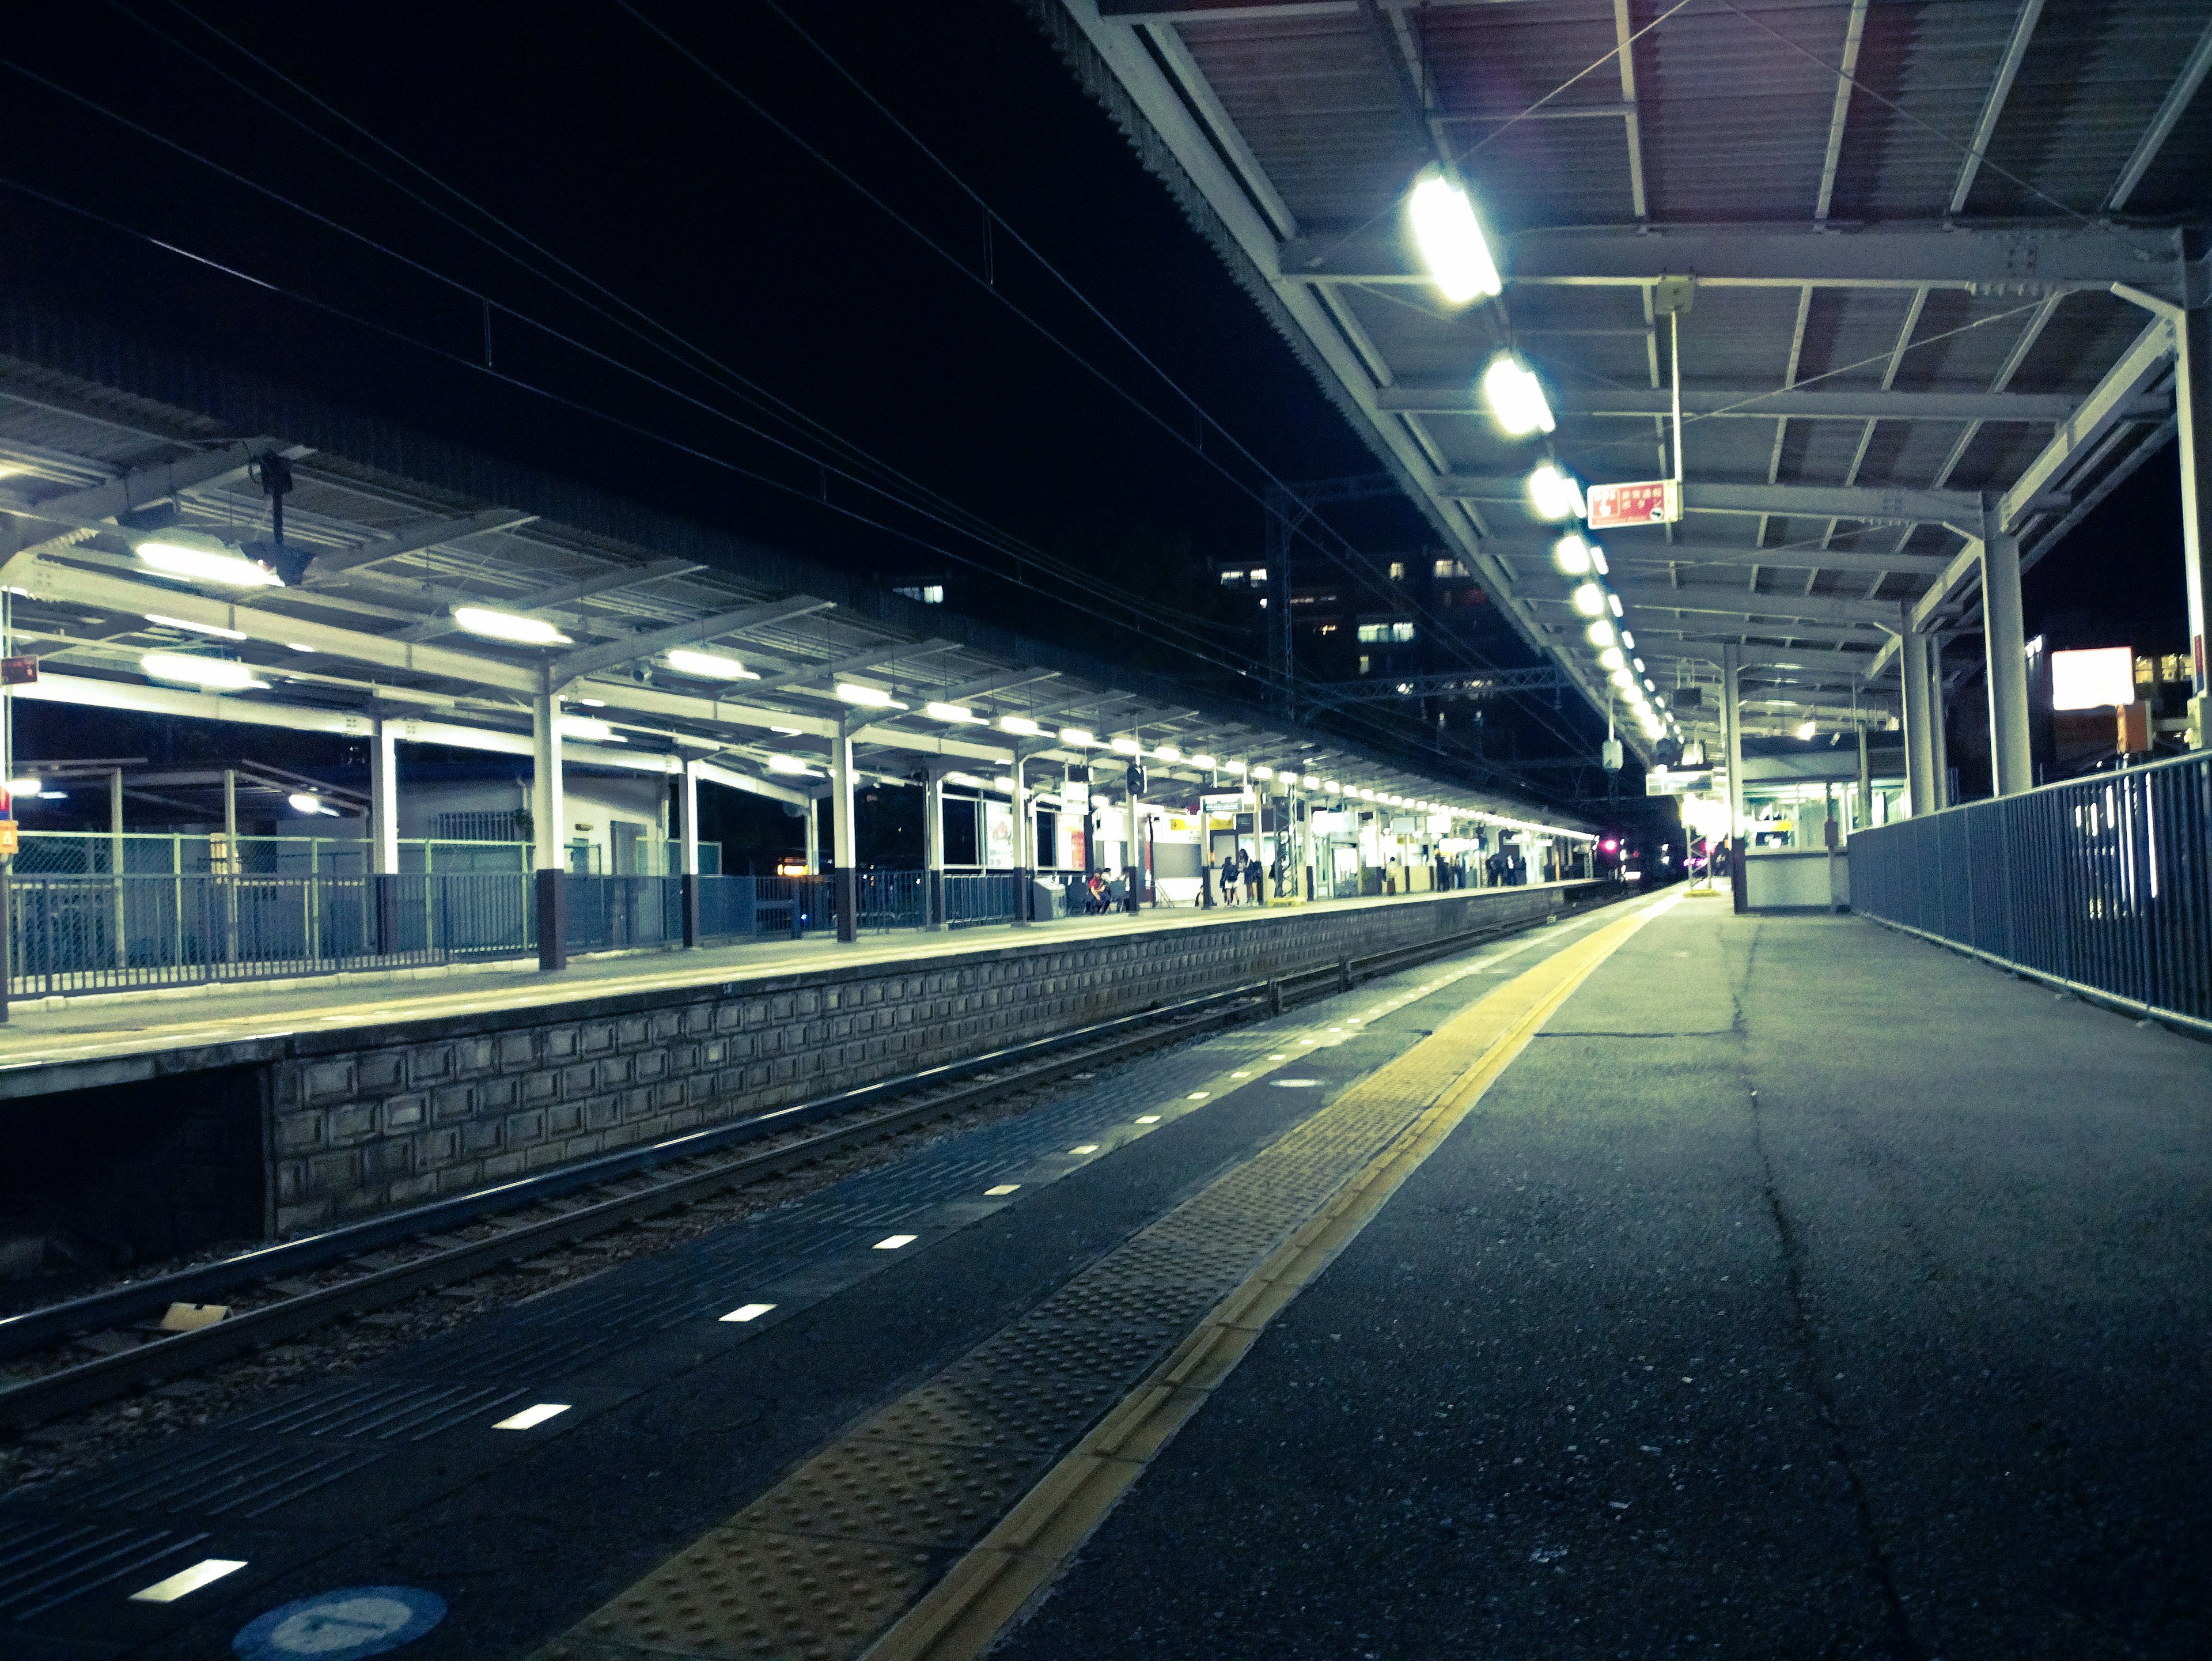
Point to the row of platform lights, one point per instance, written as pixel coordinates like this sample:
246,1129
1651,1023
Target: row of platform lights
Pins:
191,557
1453,246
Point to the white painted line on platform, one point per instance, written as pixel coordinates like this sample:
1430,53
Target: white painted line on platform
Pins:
205,1572
530,1418
745,1312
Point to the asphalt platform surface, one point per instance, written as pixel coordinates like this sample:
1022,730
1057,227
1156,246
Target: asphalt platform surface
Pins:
1804,1290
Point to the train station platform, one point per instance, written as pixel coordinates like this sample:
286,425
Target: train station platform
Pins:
1664,1283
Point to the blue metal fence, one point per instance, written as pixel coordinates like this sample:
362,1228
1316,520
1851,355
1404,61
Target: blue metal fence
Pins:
2104,884
974,897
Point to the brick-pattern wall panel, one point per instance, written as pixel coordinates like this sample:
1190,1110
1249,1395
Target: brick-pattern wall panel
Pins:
401,1123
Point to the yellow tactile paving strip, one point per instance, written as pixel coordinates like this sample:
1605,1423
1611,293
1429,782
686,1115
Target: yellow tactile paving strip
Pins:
820,1564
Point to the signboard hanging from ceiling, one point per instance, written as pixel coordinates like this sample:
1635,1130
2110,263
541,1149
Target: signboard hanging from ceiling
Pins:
1656,502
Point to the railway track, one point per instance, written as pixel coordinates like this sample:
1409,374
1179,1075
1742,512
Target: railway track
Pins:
387,1260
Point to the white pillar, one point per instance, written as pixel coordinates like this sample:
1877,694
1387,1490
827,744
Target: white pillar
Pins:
1134,861
548,809
814,836
1732,725
384,801
1919,753
687,806
844,834
2004,635
2193,430
1938,717
933,849
1025,837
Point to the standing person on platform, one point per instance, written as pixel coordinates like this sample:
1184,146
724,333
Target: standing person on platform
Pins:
1229,878
1253,876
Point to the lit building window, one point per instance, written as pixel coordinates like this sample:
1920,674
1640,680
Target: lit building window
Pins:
1259,575
1397,570
1232,579
929,594
1385,634
1450,568
1366,665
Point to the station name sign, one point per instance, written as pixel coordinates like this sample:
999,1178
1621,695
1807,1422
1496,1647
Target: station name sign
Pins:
1656,502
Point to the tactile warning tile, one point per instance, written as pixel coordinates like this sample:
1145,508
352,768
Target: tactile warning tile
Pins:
982,1401
750,1595
895,1493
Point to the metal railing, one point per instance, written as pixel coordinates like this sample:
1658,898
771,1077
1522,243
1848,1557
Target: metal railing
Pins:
977,897
2103,884
74,933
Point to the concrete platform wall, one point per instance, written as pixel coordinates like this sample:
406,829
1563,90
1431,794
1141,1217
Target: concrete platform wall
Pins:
451,1104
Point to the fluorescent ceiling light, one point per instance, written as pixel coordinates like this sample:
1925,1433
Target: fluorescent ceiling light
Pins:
1168,752
1555,494
506,625
790,764
1005,781
1572,555
967,780
1312,781
1590,599
1263,772
1628,640
1611,658
1020,726
1206,762
1235,767
194,628
1126,746
1597,560
1639,662
1807,731
584,727
1332,786
950,711
1078,735
1599,633
207,1571
874,696
206,560
710,665
787,732
745,1312
1622,678
216,674
1516,397
297,647
1451,242
26,787
1612,601
300,802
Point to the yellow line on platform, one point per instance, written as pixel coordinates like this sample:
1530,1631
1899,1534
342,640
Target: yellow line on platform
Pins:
962,1613
822,1561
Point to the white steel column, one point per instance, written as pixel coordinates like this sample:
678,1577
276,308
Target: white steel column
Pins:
814,836
687,805
933,850
2004,637
1134,858
1732,731
549,812
2192,401
1025,837
116,863
384,801
844,834
1939,760
547,808
1919,753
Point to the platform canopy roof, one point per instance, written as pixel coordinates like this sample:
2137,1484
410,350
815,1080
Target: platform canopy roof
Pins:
1931,254
111,452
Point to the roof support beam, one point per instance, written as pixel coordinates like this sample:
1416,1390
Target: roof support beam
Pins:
413,540
1890,257
1863,503
590,660
602,582
2023,29
50,580
164,481
1853,30
1712,598
1753,403
2161,124
876,657
1638,553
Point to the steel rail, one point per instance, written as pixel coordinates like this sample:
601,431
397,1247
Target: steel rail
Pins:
982,1078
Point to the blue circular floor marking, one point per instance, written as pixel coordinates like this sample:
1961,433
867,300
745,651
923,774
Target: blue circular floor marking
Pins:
339,1626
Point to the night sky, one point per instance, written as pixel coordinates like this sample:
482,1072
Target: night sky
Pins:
596,139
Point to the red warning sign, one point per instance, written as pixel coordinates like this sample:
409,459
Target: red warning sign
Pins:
1659,501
